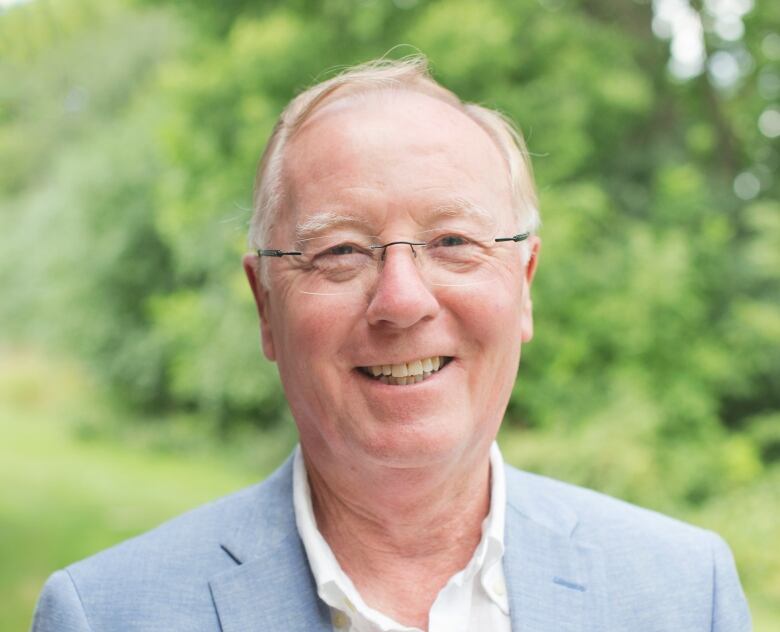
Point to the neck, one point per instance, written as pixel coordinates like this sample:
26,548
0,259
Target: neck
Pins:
400,534
400,511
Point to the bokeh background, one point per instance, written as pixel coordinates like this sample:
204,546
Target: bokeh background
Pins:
131,382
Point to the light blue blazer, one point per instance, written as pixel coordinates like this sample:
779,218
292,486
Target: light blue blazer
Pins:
575,560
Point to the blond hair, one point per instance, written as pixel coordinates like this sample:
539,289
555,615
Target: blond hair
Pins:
410,73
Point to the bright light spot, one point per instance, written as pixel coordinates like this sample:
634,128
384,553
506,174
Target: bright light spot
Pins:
729,28
662,28
723,68
683,25
769,123
686,45
668,10
746,186
770,46
729,7
10,3
727,17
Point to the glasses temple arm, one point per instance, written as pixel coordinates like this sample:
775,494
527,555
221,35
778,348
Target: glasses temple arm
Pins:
519,237
275,253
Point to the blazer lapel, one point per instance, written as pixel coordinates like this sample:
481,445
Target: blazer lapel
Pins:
274,591
553,581
270,587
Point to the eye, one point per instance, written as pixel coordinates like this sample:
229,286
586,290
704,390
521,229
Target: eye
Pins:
344,250
453,249
341,249
448,241
340,258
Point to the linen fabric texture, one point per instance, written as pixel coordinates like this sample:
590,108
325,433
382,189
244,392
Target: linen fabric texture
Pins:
574,560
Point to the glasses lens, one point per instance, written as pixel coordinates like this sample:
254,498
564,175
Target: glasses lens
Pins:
337,263
453,257
345,263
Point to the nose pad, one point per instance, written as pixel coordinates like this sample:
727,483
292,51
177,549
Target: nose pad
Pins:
384,247
415,261
400,298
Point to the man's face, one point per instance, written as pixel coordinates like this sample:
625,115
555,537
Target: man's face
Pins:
392,162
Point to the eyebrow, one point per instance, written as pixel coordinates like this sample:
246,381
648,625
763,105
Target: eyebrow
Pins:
324,221
327,220
460,207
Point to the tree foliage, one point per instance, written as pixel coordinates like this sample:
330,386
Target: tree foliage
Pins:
130,133
129,136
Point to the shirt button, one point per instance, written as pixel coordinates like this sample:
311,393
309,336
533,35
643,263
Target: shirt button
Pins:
340,620
499,588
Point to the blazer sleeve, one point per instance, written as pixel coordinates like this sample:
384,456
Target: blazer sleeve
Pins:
59,607
730,611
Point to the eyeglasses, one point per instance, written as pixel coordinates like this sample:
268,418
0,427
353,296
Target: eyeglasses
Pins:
342,263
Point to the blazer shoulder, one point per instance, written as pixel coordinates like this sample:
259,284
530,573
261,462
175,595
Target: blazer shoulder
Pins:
596,517
664,569
167,569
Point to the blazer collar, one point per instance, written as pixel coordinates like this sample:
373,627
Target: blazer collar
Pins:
271,586
554,582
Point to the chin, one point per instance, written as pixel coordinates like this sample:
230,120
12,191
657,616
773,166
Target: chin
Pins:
412,445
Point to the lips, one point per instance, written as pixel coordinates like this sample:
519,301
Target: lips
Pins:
406,373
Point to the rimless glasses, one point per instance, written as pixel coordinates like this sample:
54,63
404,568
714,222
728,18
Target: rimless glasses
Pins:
344,262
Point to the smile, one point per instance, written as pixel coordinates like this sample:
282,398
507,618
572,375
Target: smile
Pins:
407,372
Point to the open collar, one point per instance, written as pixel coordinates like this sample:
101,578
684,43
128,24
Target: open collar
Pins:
554,581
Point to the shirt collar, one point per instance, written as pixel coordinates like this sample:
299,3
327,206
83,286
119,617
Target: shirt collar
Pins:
490,567
336,588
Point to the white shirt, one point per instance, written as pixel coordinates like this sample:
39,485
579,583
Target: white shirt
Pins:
473,600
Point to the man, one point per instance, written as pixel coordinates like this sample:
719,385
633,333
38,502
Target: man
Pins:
394,255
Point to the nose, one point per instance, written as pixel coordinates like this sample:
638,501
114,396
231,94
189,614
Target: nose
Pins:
400,298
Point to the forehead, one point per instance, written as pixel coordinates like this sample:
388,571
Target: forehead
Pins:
387,154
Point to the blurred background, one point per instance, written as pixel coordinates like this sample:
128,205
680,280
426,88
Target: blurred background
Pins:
132,386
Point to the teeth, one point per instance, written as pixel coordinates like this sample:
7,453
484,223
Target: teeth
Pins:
400,370
406,372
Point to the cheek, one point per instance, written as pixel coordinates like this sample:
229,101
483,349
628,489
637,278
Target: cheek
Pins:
492,316
314,331
492,324
304,363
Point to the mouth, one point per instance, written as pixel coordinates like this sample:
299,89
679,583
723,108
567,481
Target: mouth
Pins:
406,373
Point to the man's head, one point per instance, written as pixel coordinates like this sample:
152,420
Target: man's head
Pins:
385,156
409,74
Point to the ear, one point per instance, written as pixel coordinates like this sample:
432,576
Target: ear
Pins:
527,327
259,291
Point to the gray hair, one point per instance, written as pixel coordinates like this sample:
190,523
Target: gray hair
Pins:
410,73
